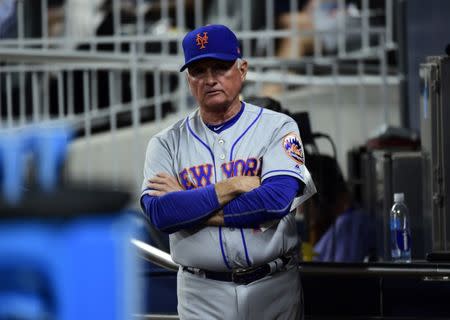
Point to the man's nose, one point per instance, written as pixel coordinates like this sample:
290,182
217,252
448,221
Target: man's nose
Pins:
210,75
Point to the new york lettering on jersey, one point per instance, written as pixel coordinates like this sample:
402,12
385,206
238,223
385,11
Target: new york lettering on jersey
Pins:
201,175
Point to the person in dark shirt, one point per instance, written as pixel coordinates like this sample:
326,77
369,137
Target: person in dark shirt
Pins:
339,230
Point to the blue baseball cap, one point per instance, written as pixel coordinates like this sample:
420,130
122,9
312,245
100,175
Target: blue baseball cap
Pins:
214,41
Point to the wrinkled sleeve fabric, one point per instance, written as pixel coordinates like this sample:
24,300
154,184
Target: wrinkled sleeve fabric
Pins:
285,157
271,201
180,210
174,210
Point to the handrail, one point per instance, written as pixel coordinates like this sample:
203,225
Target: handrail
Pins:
431,271
155,255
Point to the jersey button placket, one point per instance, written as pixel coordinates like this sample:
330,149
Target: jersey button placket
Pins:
220,152
220,149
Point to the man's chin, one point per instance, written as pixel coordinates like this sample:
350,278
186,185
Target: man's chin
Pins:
215,102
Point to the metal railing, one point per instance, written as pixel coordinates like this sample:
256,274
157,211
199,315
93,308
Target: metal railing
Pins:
100,66
429,271
155,255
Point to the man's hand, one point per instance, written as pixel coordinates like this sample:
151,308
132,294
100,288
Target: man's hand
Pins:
229,189
163,183
248,183
216,220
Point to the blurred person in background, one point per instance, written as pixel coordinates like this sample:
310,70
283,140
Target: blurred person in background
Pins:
8,19
339,230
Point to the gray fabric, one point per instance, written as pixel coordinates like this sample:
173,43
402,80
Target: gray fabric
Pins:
177,148
273,297
262,142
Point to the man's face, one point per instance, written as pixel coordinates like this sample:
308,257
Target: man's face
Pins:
216,83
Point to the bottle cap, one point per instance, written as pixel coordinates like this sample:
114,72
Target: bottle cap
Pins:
399,197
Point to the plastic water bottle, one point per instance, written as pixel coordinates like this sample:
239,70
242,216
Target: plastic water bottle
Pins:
400,230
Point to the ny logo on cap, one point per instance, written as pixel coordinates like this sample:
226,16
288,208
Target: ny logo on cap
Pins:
202,40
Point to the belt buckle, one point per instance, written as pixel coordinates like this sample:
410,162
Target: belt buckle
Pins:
238,275
246,275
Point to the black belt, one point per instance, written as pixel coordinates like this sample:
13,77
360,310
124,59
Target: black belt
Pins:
243,276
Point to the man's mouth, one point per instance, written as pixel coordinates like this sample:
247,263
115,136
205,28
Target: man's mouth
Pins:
212,92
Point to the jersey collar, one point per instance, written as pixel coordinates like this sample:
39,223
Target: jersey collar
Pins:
218,128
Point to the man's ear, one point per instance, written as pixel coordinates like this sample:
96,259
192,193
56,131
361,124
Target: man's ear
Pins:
188,82
243,69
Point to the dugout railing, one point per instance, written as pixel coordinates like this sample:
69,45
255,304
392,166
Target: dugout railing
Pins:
121,74
110,70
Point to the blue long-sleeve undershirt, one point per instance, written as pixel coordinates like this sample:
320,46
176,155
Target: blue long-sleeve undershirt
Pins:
272,200
185,209
180,209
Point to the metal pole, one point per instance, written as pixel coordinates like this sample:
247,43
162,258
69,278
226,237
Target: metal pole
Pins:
87,127
142,83
135,110
309,74
362,100
198,11
60,95
45,95
116,24
295,37
113,123
270,25
165,18
317,36
70,96
94,91
44,21
117,32
155,255
22,95
9,114
35,89
181,77
246,26
383,73
222,11
20,23
341,28
68,32
140,27
365,15
389,22
337,105
181,23
157,93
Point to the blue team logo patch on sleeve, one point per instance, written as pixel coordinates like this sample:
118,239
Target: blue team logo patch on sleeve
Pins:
293,147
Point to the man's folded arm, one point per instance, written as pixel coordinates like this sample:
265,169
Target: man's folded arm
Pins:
185,209
181,209
271,201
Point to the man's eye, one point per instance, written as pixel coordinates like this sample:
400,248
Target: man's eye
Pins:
196,71
223,66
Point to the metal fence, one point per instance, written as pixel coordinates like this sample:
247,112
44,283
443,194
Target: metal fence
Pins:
109,65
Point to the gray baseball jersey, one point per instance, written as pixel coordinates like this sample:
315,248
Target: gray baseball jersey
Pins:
262,142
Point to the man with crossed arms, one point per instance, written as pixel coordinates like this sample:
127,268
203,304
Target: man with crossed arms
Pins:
224,183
